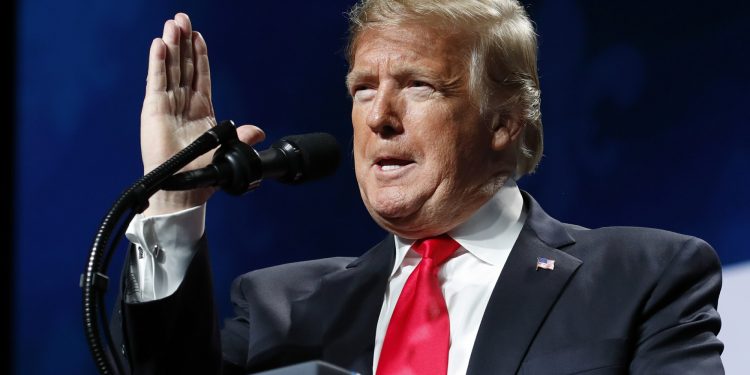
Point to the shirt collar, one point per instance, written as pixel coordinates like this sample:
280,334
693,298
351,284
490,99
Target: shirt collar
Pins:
488,234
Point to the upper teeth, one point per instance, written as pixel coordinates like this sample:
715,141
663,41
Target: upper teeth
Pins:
390,167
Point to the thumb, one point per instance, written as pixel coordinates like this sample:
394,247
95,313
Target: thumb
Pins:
250,134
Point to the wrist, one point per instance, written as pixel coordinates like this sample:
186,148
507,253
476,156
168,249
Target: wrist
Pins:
167,202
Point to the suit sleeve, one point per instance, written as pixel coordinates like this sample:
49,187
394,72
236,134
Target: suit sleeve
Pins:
680,322
178,334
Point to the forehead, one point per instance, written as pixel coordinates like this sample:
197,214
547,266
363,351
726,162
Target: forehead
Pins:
408,47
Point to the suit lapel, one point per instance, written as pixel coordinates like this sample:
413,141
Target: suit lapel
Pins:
339,319
523,295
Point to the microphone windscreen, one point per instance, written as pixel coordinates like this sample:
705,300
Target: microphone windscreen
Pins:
319,155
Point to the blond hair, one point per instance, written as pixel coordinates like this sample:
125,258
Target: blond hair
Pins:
502,66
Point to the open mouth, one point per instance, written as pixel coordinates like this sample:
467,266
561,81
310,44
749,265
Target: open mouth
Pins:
390,164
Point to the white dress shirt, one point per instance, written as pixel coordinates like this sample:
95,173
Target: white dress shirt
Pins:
165,247
468,277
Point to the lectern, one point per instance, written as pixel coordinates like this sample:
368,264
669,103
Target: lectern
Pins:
308,368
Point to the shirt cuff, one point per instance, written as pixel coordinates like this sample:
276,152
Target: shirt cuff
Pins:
164,247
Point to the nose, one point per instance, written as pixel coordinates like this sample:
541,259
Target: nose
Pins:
384,118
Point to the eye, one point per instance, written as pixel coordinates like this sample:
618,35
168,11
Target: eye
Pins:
418,83
357,88
362,92
420,90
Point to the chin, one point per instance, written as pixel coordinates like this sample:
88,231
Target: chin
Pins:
414,226
390,203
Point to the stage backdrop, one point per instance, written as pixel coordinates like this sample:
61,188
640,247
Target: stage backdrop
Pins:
644,108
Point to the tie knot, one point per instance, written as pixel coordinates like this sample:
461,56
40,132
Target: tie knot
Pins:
438,249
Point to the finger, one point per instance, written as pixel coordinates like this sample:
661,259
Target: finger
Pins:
250,134
171,38
186,49
202,79
157,69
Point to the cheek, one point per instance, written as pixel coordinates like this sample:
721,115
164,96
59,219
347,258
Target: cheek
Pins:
441,136
358,113
358,133
459,147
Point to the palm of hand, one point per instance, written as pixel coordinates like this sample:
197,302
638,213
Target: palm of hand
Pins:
171,120
177,107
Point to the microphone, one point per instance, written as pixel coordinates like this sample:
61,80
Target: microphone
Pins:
238,168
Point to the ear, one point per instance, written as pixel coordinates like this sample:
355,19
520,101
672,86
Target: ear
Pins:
505,130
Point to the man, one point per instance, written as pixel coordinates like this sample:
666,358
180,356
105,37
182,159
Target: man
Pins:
475,277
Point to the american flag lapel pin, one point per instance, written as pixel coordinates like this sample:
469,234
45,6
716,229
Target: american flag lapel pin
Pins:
544,263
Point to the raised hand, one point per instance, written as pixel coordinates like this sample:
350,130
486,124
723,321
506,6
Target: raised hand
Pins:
177,108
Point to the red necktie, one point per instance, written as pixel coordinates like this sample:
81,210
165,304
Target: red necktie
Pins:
418,335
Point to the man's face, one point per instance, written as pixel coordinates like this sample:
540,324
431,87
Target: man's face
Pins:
425,160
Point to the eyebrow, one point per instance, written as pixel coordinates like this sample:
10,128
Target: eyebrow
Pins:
451,86
399,71
358,76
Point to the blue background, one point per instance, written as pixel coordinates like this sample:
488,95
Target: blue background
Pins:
643,105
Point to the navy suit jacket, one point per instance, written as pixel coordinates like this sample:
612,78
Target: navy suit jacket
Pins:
619,300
